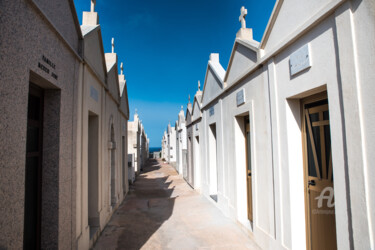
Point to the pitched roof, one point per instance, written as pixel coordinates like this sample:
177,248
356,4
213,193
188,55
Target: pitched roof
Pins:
215,69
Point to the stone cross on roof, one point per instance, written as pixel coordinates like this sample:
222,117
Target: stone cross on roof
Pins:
113,45
122,68
93,3
242,17
199,85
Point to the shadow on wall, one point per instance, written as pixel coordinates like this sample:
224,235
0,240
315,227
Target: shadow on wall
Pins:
145,209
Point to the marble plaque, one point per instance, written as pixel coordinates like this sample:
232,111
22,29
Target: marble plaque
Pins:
212,111
300,60
240,97
94,93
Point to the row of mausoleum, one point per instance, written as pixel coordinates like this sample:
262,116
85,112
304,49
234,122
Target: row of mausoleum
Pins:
138,147
282,140
63,127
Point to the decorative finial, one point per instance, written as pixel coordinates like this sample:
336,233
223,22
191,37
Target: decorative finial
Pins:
122,68
113,45
93,3
242,17
189,98
136,110
199,85
182,107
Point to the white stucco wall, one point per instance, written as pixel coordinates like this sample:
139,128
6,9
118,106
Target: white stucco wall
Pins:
340,66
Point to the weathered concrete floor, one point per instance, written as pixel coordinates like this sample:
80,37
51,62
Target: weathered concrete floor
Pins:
162,211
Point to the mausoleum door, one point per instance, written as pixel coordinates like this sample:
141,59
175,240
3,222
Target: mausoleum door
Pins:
33,173
319,192
248,171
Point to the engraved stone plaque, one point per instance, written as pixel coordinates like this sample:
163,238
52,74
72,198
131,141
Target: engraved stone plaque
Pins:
212,111
94,93
240,97
300,60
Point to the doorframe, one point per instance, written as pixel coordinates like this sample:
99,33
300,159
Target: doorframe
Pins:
239,132
213,161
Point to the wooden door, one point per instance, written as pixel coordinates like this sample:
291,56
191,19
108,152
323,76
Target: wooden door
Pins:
319,191
33,173
248,170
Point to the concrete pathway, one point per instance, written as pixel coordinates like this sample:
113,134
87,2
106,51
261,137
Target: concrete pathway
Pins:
162,211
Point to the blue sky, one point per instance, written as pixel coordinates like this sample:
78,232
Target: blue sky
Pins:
165,46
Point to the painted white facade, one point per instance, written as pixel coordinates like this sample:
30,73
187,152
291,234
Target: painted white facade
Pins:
144,152
134,128
193,159
103,112
264,81
171,145
137,143
180,129
164,146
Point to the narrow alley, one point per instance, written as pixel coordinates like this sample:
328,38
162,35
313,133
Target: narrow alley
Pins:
162,211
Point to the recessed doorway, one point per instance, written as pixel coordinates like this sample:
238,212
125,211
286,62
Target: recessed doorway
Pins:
93,173
248,169
33,171
213,161
319,189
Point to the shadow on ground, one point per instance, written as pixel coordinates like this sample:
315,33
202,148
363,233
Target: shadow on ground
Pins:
147,206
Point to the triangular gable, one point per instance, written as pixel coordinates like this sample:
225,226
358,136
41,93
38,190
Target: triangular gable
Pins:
139,127
93,50
124,101
188,117
214,81
63,16
244,55
181,119
287,17
196,113
112,75
169,129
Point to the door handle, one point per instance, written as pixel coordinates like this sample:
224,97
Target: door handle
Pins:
312,183
248,174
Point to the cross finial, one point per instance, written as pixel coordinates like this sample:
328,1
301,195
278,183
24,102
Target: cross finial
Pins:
93,3
242,17
122,68
199,85
113,45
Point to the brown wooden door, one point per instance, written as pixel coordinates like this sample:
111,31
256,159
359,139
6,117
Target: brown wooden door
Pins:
248,171
319,192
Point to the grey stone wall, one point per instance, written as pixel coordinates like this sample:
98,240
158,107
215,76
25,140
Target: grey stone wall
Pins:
25,38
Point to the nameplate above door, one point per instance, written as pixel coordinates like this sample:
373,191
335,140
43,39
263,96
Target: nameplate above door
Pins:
212,111
300,60
240,97
94,93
